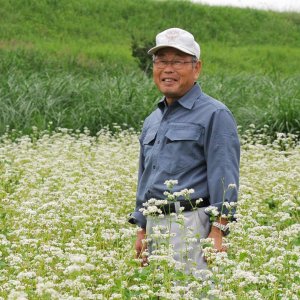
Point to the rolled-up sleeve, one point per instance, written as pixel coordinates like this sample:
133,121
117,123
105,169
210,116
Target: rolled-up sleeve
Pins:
223,159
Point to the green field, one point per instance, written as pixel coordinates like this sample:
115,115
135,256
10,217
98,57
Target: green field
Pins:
70,63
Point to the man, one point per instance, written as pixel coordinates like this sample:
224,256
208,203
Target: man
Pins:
190,138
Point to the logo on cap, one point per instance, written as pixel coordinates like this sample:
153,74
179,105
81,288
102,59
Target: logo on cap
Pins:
172,35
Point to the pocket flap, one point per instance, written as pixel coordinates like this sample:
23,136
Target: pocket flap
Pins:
150,136
183,134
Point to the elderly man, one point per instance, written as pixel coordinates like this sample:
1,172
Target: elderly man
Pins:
192,140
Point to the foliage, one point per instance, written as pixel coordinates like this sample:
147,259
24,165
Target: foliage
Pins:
139,51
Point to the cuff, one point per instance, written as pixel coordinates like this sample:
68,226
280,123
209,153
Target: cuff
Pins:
137,218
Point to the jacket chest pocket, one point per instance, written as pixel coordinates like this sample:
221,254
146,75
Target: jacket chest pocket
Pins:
182,149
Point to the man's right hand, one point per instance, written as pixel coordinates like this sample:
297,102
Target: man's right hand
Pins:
141,246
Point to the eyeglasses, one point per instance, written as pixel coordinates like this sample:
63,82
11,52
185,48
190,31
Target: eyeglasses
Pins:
176,64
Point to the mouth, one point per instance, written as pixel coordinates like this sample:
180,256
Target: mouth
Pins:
169,80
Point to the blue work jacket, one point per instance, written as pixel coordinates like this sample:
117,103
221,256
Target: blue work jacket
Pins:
194,141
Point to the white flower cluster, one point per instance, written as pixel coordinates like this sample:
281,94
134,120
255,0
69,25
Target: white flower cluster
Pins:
212,210
152,207
184,193
170,184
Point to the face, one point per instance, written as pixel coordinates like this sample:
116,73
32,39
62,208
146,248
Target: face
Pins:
174,83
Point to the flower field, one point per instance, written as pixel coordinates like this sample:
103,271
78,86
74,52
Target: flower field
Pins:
64,201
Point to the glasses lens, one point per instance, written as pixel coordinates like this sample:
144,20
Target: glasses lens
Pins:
176,64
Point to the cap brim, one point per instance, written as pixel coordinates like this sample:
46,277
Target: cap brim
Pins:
155,49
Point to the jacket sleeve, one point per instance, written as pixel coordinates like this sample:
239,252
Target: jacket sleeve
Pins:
222,150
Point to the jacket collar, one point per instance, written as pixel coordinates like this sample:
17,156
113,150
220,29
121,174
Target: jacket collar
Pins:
188,100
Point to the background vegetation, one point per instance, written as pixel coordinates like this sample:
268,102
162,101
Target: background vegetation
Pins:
73,64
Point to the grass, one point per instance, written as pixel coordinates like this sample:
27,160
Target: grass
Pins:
104,30
69,100
64,232
260,100
82,73
54,20
72,99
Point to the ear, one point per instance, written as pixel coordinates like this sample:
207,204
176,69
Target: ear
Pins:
197,69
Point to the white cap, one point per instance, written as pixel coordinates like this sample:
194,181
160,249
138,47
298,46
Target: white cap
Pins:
176,38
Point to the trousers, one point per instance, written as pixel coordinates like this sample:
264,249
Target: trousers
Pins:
180,232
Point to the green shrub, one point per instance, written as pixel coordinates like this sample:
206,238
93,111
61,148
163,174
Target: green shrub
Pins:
139,51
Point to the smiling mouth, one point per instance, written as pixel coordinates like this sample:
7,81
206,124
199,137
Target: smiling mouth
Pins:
169,80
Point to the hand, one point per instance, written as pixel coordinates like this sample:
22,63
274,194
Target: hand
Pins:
141,246
217,235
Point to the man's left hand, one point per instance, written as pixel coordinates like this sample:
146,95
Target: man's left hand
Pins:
217,235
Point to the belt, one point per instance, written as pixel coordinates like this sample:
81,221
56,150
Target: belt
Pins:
188,205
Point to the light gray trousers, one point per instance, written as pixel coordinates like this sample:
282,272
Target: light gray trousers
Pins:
183,232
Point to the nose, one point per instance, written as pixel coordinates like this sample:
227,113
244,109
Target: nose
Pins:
169,68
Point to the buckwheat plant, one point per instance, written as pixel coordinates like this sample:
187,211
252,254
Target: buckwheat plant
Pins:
64,201
159,240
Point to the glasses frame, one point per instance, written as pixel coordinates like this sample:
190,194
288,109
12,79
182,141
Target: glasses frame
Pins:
176,64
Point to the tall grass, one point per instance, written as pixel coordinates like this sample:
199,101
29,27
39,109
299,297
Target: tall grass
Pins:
261,100
69,100
126,96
